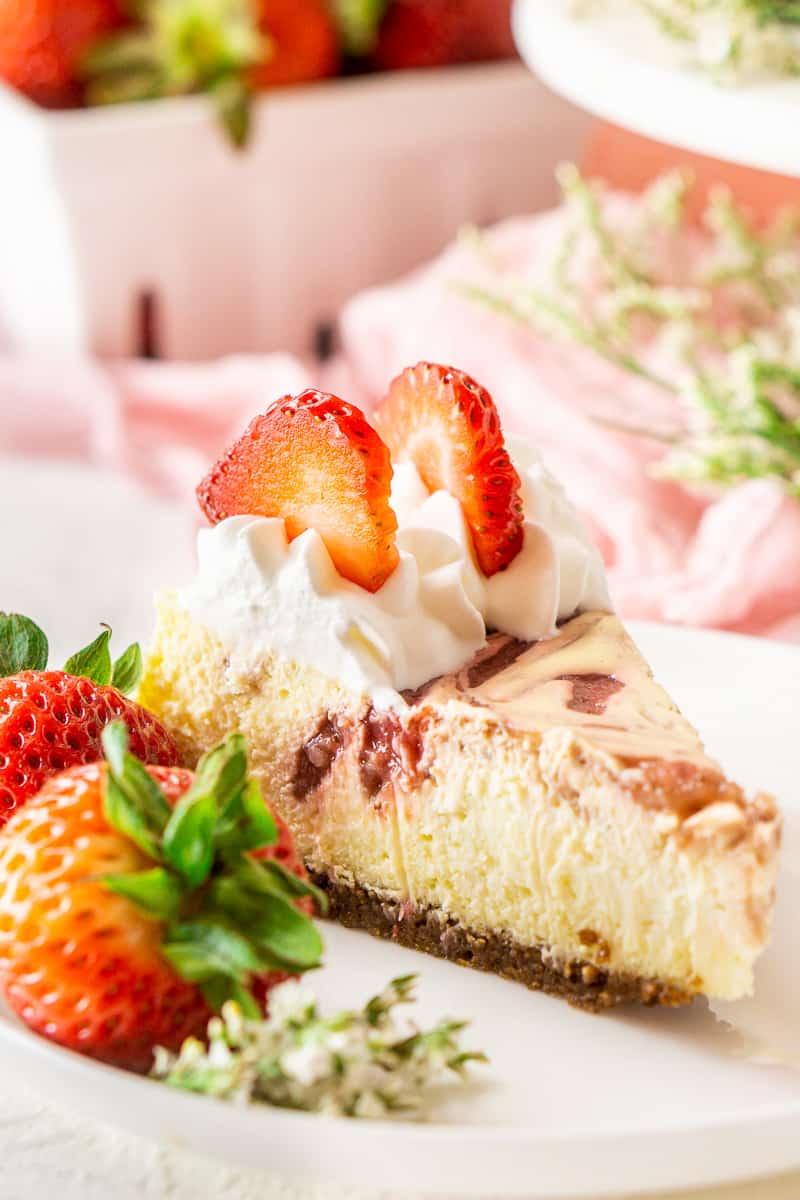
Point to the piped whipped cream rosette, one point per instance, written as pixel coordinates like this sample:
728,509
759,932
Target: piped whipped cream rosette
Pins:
258,590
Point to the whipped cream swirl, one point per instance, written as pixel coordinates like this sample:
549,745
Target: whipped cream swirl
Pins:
260,594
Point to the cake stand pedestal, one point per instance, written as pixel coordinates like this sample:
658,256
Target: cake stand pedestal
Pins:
622,69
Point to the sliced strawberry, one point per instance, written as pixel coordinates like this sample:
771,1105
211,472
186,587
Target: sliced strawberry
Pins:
315,461
448,426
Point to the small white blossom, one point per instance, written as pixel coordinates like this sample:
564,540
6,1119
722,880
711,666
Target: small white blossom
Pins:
733,40
714,41
710,318
293,1000
370,1107
368,1064
306,1064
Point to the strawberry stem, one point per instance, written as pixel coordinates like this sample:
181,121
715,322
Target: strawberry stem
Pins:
183,47
228,917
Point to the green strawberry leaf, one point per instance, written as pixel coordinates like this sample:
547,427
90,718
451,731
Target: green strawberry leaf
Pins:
23,645
285,933
189,836
286,936
157,891
293,884
229,917
233,101
127,818
229,896
127,670
94,661
201,949
221,988
223,771
134,803
246,823
267,876
359,22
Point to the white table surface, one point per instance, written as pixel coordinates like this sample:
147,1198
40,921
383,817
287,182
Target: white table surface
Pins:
46,1154
75,551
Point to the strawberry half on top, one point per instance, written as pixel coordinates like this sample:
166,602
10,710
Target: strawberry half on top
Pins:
315,461
448,426
50,720
135,901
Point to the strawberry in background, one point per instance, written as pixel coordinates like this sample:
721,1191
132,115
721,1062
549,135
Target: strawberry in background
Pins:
62,52
42,43
225,48
437,33
303,43
396,35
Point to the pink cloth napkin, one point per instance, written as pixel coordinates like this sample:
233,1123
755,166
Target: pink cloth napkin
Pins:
731,561
162,422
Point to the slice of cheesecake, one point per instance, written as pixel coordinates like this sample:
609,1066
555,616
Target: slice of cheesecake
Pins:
544,812
528,801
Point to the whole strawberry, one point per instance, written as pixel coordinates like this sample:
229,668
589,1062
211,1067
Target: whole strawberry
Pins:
435,33
302,43
42,43
50,720
135,901
226,48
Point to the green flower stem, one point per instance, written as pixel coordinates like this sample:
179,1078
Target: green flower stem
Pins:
738,382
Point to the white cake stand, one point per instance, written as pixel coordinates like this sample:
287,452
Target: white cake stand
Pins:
620,68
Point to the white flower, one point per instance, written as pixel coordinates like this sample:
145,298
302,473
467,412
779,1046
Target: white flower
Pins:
344,1067
292,1001
714,41
370,1106
219,1056
306,1064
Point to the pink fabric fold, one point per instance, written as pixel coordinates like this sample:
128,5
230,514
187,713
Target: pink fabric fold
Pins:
162,423
730,560
725,559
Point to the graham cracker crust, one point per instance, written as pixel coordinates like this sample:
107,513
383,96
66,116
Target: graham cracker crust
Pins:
580,982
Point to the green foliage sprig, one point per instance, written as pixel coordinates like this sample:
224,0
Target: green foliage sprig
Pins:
713,320
356,1064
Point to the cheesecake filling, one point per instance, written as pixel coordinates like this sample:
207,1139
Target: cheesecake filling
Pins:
258,592
524,796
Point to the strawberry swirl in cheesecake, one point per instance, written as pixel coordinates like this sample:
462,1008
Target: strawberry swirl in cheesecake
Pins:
412,629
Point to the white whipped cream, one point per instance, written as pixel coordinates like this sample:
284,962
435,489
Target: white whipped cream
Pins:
260,593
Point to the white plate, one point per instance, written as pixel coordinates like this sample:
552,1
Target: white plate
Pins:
571,1104
618,66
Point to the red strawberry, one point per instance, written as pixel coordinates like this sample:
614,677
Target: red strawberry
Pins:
302,43
431,33
315,461
448,426
225,48
416,34
50,720
42,43
131,906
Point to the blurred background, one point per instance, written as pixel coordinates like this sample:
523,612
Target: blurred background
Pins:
206,204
